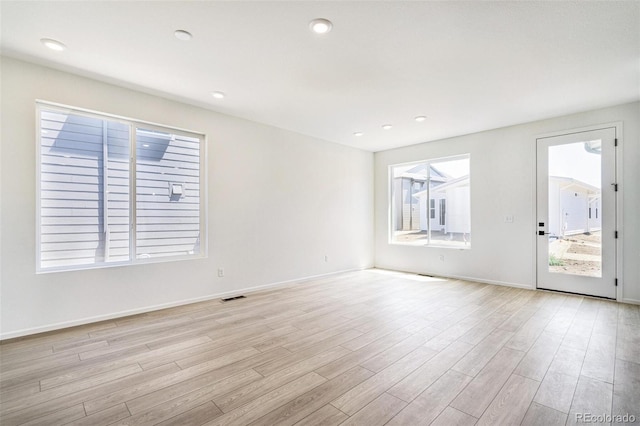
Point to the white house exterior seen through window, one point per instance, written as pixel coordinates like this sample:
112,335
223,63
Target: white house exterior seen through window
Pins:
431,202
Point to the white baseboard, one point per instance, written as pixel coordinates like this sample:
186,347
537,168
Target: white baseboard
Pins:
106,317
493,282
460,277
502,283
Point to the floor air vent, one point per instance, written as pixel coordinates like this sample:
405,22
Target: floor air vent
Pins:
228,299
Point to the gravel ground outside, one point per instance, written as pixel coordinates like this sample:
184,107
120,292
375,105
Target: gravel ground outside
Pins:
577,254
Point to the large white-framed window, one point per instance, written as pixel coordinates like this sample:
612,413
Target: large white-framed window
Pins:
430,202
115,191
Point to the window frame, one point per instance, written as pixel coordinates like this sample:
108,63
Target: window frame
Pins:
133,124
392,214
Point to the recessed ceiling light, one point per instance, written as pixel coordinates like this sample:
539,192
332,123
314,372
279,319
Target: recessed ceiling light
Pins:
387,126
420,118
217,95
320,26
182,35
358,134
146,145
53,44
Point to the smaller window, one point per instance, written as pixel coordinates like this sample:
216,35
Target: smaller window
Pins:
589,212
430,202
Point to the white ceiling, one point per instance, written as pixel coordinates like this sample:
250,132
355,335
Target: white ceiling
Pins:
467,66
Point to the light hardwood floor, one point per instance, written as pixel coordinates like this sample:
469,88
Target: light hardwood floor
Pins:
363,348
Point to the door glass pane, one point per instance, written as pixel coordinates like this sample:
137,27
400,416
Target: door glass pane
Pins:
575,208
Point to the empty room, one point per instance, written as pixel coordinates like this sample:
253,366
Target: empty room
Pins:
319,213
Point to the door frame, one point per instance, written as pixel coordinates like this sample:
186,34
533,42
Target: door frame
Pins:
619,154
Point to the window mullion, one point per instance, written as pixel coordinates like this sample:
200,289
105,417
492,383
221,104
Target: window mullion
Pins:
105,191
429,204
132,193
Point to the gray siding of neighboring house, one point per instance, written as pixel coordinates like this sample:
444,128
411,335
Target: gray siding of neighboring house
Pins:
72,152
167,225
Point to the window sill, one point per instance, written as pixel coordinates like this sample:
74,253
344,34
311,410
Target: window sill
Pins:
432,245
137,262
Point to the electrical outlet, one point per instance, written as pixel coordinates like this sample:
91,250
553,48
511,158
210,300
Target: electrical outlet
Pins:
508,218
326,258
442,257
221,272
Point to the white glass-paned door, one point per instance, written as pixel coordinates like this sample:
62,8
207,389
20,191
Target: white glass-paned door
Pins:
576,213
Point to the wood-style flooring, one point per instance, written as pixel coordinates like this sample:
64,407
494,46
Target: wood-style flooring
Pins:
363,348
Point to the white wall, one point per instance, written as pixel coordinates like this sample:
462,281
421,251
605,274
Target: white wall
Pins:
503,183
278,202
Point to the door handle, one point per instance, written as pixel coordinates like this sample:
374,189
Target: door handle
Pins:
543,233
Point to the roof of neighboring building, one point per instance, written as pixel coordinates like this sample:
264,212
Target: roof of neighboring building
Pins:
461,181
569,182
418,173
